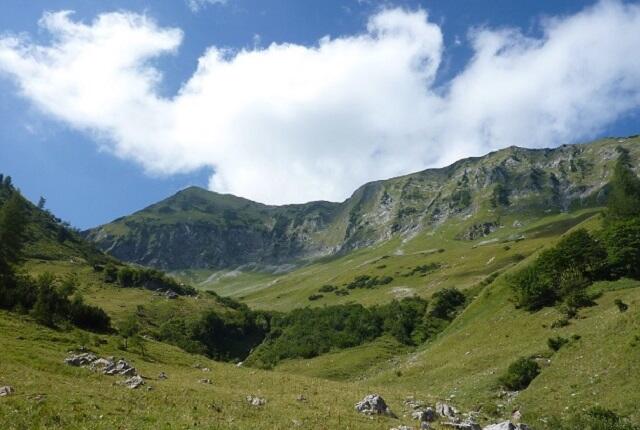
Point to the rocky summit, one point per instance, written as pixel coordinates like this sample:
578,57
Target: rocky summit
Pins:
197,228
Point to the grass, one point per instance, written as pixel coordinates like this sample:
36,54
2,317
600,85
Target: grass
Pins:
464,264
601,365
50,394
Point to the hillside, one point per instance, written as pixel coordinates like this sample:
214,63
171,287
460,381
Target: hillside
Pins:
431,315
198,229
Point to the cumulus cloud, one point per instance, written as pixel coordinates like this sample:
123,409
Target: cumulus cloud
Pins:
290,123
197,5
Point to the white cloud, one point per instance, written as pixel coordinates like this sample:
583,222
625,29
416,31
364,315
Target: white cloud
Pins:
289,123
197,5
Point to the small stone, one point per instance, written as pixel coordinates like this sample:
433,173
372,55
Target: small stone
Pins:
256,401
301,398
205,381
162,375
6,391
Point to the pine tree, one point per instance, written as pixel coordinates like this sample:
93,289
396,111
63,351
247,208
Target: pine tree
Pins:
13,223
624,199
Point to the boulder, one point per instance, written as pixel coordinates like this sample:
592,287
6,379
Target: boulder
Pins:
425,426
424,415
6,391
101,364
373,404
256,401
134,382
82,359
445,410
121,367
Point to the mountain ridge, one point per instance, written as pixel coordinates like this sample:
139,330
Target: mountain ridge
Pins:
215,231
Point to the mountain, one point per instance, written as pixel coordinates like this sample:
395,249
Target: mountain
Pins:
388,333
200,229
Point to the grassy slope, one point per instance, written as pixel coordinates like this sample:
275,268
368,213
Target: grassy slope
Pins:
351,364
50,394
464,265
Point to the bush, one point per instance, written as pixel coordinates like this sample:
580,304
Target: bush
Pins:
622,241
555,343
622,306
564,271
327,288
88,317
314,297
520,374
446,302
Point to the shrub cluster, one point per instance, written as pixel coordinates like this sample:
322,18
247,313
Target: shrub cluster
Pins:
309,332
151,279
366,281
563,272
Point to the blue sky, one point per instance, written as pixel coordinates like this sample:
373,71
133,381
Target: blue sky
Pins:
92,171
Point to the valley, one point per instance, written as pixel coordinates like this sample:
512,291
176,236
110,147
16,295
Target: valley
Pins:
407,289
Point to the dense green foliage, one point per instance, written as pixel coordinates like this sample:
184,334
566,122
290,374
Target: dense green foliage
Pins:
151,279
520,374
309,332
563,272
47,298
223,337
555,343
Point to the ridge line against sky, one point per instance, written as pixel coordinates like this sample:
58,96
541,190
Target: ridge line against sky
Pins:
291,122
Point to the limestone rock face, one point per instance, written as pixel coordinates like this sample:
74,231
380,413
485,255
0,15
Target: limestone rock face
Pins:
200,229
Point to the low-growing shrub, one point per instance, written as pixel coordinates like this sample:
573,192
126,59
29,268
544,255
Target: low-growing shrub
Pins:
555,343
520,374
622,306
314,297
327,288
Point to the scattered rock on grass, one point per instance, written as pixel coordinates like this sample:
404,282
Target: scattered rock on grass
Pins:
205,381
162,375
373,404
424,415
6,391
256,401
83,359
134,382
445,410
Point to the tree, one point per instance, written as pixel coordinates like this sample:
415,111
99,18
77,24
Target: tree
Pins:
41,203
13,223
129,328
624,198
49,303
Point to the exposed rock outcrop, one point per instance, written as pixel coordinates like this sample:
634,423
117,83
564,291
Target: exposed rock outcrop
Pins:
373,404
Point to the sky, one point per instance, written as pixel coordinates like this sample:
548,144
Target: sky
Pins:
108,106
